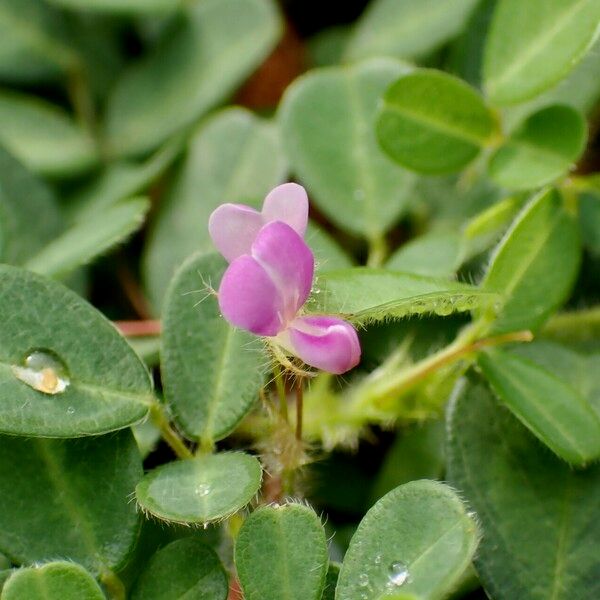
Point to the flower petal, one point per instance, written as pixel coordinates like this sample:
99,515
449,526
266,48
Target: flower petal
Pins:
287,203
249,299
233,228
288,261
327,343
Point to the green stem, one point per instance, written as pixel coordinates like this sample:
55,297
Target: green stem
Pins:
169,435
279,383
299,409
113,585
581,325
378,251
81,98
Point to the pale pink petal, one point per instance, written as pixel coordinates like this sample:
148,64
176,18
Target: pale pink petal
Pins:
289,262
287,203
233,228
326,343
249,299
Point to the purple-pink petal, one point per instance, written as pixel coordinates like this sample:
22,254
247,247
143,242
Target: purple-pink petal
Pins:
233,229
249,299
287,203
289,262
324,342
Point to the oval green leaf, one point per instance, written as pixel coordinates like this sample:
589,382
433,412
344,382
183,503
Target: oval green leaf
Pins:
44,136
535,265
69,499
364,295
554,411
407,29
89,238
539,516
534,44
281,554
233,157
213,46
418,539
65,371
327,130
433,123
212,372
52,581
185,568
202,489
540,150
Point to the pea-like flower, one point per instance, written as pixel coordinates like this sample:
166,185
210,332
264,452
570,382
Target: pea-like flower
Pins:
270,277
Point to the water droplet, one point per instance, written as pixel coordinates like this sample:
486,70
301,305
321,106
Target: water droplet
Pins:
399,574
71,410
377,559
363,580
472,514
43,371
202,489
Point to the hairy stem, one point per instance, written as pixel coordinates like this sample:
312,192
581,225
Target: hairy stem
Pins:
113,585
168,434
279,383
299,408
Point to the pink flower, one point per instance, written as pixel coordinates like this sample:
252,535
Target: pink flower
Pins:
270,277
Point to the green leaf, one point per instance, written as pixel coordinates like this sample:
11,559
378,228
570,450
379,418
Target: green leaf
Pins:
417,453
541,149
535,264
89,238
326,48
589,220
553,410
209,51
534,44
364,295
212,372
29,213
32,46
281,554
52,581
44,136
65,371
120,6
433,123
418,537
347,174
69,499
331,579
539,517
328,254
119,181
203,489
434,254
407,29
186,568
234,157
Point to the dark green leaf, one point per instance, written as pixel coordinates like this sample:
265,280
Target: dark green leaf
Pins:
433,123
281,554
65,371
539,517
202,489
333,572
69,499
212,372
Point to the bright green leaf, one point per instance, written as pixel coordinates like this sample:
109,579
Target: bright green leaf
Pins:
65,371
52,581
553,410
433,123
539,516
212,372
542,149
363,295
234,157
535,264
327,131
185,568
534,44
203,489
69,499
418,537
213,46
281,554
407,29
89,238
44,136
